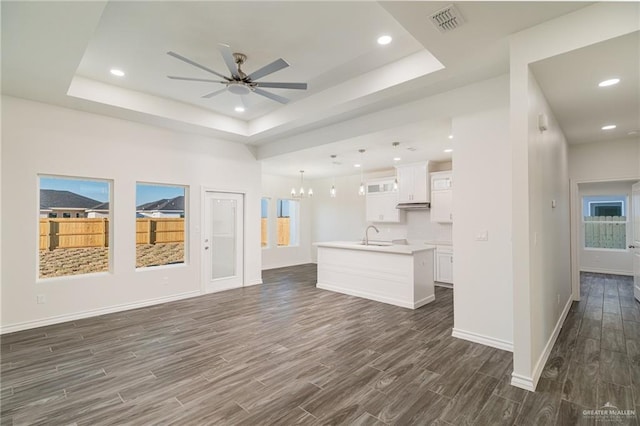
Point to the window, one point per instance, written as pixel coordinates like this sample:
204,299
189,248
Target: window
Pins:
74,226
605,222
264,223
160,224
288,222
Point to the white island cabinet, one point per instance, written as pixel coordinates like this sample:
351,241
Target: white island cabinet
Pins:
400,275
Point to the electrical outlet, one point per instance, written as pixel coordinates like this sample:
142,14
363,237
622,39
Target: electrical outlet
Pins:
41,299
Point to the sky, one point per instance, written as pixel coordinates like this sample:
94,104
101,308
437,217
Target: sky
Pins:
99,190
147,193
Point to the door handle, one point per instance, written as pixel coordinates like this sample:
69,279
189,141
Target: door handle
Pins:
632,246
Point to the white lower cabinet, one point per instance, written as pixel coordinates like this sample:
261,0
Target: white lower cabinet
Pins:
444,264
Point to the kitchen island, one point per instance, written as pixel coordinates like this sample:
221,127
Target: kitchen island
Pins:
400,275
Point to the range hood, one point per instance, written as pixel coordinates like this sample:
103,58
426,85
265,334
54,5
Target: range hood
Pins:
413,206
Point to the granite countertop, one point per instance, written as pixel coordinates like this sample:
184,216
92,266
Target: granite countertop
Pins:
391,248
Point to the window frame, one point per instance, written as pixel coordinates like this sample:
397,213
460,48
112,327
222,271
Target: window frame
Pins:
621,198
185,215
298,207
53,215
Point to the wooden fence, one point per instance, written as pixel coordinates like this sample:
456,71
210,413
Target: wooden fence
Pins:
283,232
85,232
159,230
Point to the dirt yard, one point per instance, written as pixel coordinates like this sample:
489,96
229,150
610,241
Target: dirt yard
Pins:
61,262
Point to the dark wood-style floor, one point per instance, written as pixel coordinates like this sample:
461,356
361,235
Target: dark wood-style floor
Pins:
287,353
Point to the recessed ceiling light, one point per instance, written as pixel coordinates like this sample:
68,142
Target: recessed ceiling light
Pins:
356,165
609,127
450,136
609,82
384,39
239,109
117,72
397,158
448,150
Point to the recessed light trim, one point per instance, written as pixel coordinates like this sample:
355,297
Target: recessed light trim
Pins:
609,127
397,158
117,72
609,82
450,136
448,150
384,40
239,109
356,165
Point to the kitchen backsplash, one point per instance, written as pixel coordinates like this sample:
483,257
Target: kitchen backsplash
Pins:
416,227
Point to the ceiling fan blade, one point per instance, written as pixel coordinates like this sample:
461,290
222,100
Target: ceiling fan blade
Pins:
173,77
274,66
195,64
272,96
299,86
227,55
212,94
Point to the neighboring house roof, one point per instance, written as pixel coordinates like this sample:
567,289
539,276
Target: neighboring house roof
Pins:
55,199
101,206
172,204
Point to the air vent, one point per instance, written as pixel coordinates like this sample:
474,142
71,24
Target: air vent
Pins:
447,19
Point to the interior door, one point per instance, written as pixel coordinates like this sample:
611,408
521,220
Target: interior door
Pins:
223,249
635,245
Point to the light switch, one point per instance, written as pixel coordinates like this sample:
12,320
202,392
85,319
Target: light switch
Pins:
553,204
482,236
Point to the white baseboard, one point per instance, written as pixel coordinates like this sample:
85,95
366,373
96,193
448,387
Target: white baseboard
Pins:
607,271
424,301
530,383
376,297
523,382
482,339
11,328
257,282
285,265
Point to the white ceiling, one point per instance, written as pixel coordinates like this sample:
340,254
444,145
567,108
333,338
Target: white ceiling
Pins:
324,42
61,53
570,84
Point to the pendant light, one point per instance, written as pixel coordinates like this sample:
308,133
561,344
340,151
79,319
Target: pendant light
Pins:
395,181
301,193
332,191
361,190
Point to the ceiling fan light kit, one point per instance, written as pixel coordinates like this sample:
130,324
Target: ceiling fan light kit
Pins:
239,83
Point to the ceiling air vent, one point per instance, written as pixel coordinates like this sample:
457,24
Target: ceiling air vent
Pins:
447,19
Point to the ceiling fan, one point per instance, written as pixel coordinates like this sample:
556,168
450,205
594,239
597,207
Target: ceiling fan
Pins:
240,83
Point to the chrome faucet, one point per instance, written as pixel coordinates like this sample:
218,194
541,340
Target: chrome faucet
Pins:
366,234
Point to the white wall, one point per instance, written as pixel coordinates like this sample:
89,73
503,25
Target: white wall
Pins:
600,161
278,187
605,261
483,302
550,226
39,138
532,337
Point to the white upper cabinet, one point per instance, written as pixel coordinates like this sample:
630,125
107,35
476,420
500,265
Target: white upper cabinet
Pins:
381,202
441,197
413,183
